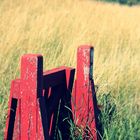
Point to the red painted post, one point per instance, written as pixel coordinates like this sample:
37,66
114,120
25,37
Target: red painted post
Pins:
31,90
17,124
12,129
84,104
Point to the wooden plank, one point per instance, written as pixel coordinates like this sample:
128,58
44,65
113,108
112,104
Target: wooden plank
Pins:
43,120
54,77
65,115
58,86
70,73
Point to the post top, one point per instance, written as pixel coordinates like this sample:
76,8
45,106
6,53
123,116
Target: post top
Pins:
31,55
85,47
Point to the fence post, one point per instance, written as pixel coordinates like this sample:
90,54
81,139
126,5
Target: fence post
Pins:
84,94
12,129
31,91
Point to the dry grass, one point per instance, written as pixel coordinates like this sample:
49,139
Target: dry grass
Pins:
55,28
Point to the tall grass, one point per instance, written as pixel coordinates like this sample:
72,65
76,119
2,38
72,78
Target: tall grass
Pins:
55,28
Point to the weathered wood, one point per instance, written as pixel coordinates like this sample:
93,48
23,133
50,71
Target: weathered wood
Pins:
31,89
12,129
40,103
83,94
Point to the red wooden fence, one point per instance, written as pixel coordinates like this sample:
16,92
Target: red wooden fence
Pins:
40,102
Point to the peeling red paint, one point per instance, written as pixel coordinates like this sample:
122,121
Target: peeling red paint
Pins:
83,92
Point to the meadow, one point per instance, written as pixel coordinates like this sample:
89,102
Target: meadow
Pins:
55,29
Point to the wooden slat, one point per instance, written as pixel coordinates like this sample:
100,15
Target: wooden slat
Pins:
53,77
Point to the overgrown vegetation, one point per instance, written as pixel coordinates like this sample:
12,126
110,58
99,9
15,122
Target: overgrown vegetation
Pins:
54,29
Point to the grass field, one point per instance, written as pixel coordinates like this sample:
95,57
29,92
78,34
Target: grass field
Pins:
55,28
